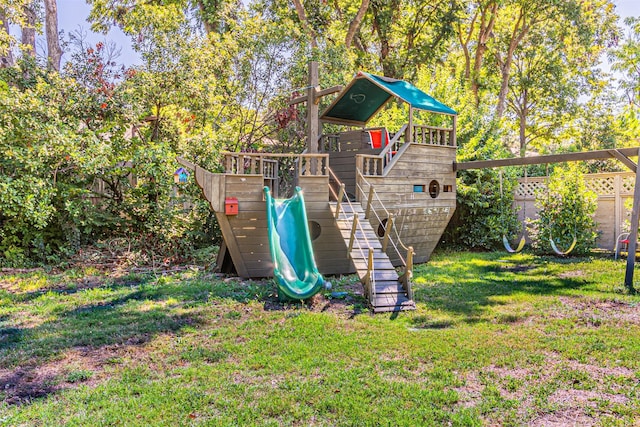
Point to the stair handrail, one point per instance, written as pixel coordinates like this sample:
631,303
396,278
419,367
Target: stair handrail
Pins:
388,226
339,198
373,194
388,151
355,225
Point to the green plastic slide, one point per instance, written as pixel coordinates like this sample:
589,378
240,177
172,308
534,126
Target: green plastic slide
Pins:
294,266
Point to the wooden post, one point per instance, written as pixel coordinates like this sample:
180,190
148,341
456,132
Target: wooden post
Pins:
454,141
369,202
354,229
410,127
339,201
387,230
312,110
633,235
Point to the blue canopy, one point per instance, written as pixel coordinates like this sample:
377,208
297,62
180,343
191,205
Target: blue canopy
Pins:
368,93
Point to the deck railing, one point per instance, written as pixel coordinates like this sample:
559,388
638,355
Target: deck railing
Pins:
433,135
266,164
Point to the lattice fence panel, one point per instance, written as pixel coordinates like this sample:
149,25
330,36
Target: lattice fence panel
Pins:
604,186
628,182
527,189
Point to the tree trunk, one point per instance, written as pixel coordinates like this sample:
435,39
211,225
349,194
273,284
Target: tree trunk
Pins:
54,52
6,58
28,38
520,29
355,23
487,22
384,17
524,111
302,16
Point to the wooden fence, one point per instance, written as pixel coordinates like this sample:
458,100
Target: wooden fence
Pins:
613,189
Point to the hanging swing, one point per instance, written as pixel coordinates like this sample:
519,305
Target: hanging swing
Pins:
505,240
554,246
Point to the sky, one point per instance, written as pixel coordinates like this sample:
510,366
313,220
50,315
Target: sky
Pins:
72,16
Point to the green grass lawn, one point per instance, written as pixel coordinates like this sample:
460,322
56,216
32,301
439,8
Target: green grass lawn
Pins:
496,339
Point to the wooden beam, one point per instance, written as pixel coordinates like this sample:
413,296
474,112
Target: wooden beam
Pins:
633,236
625,160
298,100
327,91
553,158
312,109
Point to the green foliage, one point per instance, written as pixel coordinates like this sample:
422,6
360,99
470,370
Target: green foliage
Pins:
484,211
565,210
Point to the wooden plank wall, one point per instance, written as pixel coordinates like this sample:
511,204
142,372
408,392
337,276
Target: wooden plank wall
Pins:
246,237
420,219
613,189
343,162
329,248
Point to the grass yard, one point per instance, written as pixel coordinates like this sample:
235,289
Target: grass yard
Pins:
496,339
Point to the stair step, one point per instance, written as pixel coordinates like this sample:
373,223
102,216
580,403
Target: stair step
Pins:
358,255
390,300
362,264
385,276
390,288
402,307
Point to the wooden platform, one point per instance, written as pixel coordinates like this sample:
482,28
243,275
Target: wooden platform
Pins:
383,289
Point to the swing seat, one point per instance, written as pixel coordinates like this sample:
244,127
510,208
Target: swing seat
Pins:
560,252
622,245
508,247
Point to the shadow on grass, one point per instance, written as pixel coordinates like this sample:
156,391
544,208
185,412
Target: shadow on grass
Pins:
466,286
113,315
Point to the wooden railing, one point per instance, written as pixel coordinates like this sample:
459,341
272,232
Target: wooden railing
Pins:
266,164
433,135
387,239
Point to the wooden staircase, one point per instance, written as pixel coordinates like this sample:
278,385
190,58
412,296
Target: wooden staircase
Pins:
383,288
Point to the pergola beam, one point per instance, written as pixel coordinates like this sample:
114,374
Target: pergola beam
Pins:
552,158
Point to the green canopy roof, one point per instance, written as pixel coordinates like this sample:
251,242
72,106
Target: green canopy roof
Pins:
367,94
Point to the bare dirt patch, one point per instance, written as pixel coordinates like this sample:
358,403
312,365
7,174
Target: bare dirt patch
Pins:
597,311
568,404
22,384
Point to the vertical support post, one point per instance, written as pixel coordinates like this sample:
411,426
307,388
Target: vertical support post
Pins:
618,206
454,142
354,229
369,202
312,115
633,235
409,138
387,231
339,201
370,278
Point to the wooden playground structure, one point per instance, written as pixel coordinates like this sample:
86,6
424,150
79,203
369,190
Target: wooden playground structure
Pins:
376,201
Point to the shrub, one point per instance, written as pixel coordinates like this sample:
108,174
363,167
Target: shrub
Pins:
565,209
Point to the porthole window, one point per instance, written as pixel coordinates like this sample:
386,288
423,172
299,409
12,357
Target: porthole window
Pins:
434,189
382,227
314,230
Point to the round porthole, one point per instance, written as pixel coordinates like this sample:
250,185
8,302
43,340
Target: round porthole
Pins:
434,188
314,230
382,227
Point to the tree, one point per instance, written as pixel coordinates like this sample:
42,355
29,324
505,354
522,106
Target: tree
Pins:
29,29
54,51
626,60
6,56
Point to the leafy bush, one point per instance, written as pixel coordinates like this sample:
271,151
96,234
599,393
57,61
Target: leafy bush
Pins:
483,213
565,209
